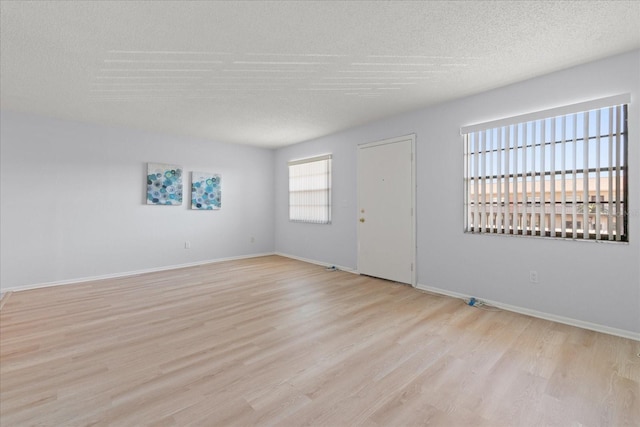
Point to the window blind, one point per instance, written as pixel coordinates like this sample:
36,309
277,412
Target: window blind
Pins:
310,190
555,173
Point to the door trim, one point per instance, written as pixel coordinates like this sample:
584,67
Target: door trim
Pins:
411,137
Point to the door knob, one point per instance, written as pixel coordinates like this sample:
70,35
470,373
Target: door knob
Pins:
361,219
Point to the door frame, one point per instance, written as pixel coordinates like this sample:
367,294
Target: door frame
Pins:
411,137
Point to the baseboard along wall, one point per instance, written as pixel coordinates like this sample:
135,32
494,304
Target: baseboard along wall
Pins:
130,273
539,314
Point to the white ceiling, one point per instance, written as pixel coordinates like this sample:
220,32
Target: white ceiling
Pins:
275,73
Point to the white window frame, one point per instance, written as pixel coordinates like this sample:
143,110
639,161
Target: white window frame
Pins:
310,189
530,175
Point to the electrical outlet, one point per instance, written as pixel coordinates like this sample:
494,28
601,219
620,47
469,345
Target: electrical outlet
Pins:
187,245
533,276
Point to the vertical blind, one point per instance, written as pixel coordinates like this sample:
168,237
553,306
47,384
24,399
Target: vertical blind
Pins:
556,173
310,190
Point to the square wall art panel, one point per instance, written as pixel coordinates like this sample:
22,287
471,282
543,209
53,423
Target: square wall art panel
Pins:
164,184
205,191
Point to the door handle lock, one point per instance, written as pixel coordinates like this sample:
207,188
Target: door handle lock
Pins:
361,219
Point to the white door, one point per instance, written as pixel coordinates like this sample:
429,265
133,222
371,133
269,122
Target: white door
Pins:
386,219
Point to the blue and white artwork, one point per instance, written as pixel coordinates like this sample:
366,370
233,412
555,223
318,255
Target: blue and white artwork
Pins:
164,184
205,191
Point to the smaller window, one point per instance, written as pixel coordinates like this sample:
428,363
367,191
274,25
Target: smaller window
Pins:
310,190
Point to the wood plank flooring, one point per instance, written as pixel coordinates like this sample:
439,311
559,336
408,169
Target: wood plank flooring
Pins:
274,341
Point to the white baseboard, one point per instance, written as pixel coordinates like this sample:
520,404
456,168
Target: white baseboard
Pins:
4,296
539,314
324,264
130,273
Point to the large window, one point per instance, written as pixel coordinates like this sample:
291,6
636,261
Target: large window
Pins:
558,173
310,190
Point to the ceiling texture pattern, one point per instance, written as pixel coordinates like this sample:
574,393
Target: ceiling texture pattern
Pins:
275,73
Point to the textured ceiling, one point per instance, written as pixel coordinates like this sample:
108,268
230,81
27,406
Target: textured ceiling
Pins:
275,73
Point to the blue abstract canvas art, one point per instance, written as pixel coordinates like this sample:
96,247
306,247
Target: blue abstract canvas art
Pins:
205,191
164,184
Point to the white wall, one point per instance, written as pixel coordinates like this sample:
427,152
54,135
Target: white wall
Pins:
598,283
73,201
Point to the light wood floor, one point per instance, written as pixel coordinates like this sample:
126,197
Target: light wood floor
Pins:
273,341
